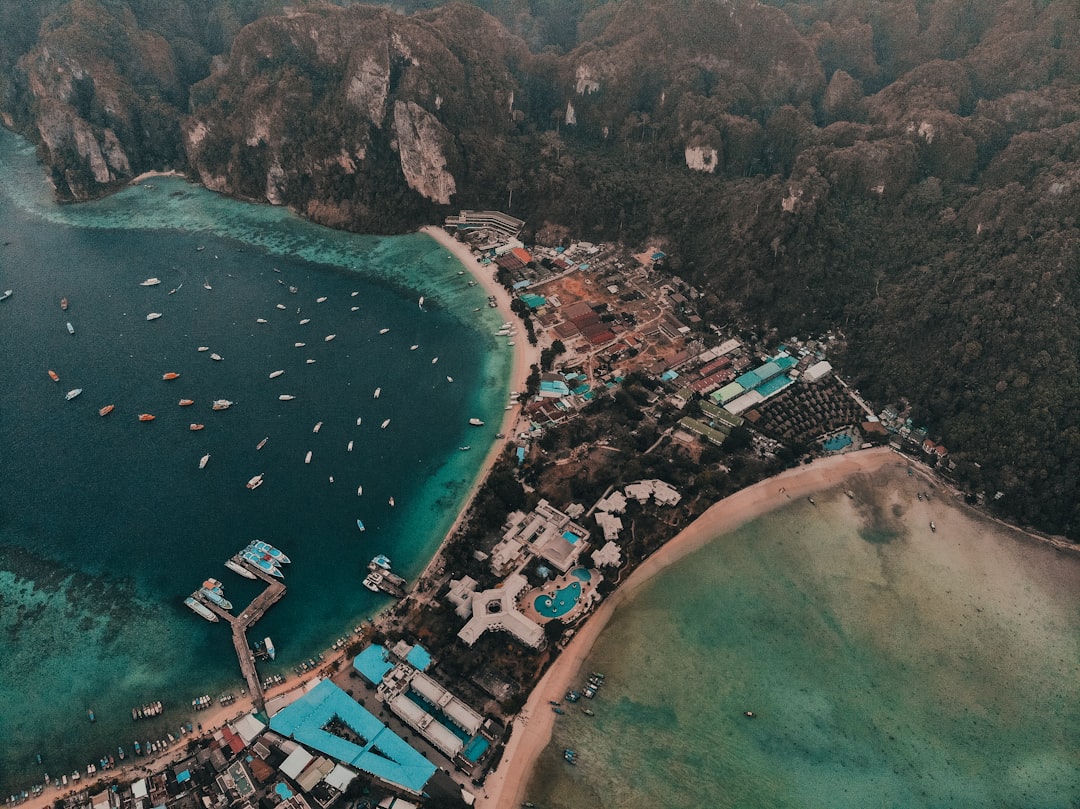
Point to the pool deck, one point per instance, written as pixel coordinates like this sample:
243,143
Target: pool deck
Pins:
585,599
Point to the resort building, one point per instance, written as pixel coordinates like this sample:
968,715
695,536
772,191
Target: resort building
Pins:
372,747
440,717
546,532
610,555
497,609
664,493
610,525
496,221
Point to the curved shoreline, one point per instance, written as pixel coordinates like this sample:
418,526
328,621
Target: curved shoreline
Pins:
532,728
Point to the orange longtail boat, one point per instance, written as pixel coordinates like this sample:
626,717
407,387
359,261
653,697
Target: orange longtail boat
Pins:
195,427
186,402
106,410
146,417
170,375
54,376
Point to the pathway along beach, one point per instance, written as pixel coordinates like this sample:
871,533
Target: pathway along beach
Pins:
505,787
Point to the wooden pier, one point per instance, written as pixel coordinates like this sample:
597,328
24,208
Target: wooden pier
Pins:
275,589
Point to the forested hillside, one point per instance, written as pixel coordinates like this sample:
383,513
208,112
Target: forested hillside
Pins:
905,171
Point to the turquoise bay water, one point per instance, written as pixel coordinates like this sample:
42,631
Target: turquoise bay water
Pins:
106,524
888,666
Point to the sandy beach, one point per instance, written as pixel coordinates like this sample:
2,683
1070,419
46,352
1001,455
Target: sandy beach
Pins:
505,786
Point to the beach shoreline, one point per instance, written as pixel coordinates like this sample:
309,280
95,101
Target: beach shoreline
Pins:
532,728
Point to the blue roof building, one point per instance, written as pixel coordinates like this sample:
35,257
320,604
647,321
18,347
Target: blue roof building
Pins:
380,752
373,663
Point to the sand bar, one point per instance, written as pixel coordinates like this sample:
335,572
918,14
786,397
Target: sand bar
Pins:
505,787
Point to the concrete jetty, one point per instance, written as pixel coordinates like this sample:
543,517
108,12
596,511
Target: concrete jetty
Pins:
275,589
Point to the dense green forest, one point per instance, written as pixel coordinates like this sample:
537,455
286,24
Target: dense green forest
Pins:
905,171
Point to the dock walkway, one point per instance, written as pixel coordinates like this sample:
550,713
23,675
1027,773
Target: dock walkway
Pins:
275,589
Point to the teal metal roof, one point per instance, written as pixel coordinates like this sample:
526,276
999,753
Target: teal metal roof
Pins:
373,663
775,384
749,380
380,753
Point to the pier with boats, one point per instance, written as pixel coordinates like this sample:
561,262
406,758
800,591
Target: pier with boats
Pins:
259,560
381,579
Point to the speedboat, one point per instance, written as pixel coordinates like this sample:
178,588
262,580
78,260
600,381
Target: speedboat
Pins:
378,393
146,417
71,394
260,320
359,491
221,404
413,347
329,337
449,378
349,448
175,289
256,481
310,362
321,300
6,294
933,525
206,283
150,282
299,345
106,410
307,458
262,443
385,424
70,328
196,427
391,502
153,316
360,525
186,402
305,321
170,375
317,427
475,422
434,360
286,397
203,460
55,377
282,306
216,357
421,302
276,374
354,308
383,331
465,448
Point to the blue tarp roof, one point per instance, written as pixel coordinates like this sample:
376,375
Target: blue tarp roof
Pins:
667,376
382,753
373,663
418,657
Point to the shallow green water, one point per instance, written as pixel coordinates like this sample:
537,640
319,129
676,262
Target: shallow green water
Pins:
888,666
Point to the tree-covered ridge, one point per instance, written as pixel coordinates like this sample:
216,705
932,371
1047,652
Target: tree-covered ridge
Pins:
903,170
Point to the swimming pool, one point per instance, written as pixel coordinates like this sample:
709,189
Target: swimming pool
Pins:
581,573
560,603
475,748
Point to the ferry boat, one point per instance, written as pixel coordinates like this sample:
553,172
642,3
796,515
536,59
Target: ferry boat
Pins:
70,328
276,374
238,568
55,377
220,600
170,375
268,644
256,481
186,402
262,563
475,422
221,404
106,410
150,282
200,609
146,417
71,394
153,316
382,561
203,461
196,427
267,549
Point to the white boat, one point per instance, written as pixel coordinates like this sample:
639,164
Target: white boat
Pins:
421,302
321,300
475,422
153,316
414,347
216,357
358,420
70,328
7,294
269,646
380,562
449,379
203,461
354,308
200,609
383,331
206,284
255,482
371,581
261,320
281,306
240,569
305,321
221,404
349,448
434,360
359,491
286,397
310,361
391,502
307,458
329,337
71,394
150,282
354,294
378,392
276,374
203,348
317,427
385,424
299,345
174,290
